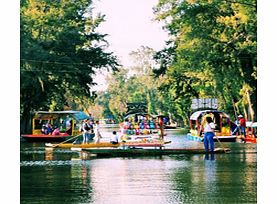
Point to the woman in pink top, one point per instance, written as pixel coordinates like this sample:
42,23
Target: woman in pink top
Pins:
56,131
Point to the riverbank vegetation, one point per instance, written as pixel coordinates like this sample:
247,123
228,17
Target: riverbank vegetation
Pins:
210,53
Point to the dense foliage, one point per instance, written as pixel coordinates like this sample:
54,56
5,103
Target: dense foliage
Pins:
211,53
59,51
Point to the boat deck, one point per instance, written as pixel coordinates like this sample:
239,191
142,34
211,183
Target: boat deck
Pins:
108,144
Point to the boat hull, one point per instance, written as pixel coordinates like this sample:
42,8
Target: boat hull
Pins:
248,139
231,138
147,152
108,144
45,138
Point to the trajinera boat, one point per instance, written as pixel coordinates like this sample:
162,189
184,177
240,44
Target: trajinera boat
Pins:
141,143
67,122
223,130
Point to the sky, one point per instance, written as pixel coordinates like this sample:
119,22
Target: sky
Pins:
129,24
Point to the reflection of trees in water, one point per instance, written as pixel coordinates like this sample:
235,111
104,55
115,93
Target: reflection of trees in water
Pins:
226,179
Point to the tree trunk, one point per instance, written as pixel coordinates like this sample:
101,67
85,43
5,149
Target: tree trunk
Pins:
250,106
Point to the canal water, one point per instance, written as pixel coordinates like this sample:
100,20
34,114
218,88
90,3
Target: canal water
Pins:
65,176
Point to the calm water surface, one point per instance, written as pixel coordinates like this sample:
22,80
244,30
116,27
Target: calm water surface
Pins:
65,176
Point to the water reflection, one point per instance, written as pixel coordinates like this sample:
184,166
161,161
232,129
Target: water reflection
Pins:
65,176
209,156
48,154
131,180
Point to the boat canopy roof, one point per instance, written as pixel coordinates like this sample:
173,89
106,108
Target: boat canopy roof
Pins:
198,114
251,124
136,114
78,115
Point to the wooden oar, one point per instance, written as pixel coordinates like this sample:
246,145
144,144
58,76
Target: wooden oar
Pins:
222,146
54,146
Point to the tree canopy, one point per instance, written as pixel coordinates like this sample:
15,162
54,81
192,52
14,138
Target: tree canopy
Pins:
59,52
211,53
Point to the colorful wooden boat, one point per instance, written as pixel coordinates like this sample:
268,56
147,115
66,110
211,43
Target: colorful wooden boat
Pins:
251,132
221,120
108,144
55,118
147,152
248,139
45,138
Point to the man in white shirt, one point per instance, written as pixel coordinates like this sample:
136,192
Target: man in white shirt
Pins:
97,132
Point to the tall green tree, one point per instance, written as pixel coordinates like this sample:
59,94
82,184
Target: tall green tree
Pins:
137,84
212,52
59,51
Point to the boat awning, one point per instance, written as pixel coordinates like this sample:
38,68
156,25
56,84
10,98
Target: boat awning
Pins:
197,114
251,124
78,115
134,114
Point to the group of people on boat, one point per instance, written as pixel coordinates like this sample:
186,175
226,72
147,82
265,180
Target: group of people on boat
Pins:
142,126
47,129
90,131
238,128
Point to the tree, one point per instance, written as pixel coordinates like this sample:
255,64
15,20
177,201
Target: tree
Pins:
212,51
60,50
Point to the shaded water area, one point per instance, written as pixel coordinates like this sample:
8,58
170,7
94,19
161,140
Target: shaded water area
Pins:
66,176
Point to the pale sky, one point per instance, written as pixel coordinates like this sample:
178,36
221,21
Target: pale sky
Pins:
129,24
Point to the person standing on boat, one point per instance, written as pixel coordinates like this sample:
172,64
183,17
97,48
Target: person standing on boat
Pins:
242,125
161,125
86,130
209,134
97,132
91,131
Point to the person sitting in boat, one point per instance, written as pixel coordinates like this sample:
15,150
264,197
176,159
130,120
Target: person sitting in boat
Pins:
126,124
114,139
56,131
44,129
137,131
141,126
147,125
49,129
151,125
69,127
